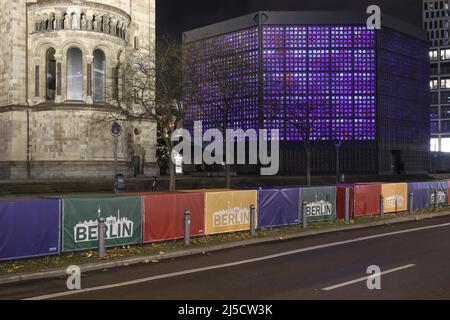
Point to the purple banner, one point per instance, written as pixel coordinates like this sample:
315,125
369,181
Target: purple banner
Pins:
278,207
425,192
29,228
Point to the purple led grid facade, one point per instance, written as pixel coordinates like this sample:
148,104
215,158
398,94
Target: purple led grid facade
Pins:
226,68
328,70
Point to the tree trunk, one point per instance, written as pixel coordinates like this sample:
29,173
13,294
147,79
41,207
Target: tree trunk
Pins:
308,166
228,175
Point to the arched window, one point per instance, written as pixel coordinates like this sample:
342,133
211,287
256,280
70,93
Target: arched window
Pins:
136,43
74,74
99,75
50,71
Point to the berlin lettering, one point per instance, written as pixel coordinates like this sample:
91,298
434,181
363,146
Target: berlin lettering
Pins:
116,228
231,217
319,208
394,202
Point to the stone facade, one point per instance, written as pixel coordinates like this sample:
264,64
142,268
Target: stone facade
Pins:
44,131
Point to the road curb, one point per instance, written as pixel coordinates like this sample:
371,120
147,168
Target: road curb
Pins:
197,251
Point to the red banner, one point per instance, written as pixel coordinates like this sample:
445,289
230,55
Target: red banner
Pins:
367,199
164,215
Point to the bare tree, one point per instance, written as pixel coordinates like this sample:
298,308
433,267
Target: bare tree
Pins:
306,121
149,89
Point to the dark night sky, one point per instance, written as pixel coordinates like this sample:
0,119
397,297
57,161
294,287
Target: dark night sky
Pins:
176,16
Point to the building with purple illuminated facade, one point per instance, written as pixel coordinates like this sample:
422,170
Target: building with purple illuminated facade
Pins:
367,89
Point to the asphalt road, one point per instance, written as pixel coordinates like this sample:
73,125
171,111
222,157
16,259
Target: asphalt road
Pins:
413,257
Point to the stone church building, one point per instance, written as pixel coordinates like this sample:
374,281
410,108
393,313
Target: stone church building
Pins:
58,62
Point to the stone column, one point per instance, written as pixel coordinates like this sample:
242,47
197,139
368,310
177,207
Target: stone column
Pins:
89,59
114,80
112,27
58,96
89,23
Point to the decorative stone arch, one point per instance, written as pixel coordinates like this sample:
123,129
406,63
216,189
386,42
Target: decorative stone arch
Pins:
84,52
38,68
110,64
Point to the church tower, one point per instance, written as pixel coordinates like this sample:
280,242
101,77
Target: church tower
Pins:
58,70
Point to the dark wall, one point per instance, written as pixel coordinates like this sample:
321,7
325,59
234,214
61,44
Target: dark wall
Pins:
403,102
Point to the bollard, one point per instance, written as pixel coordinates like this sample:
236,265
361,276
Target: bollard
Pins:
435,200
304,215
382,206
347,205
187,227
252,220
101,237
411,203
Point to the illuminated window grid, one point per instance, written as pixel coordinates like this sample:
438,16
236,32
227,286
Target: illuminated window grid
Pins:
341,37
342,106
319,83
273,83
319,60
296,84
363,37
342,129
365,129
296,37
318,36
274,60
273,37
341,60
296,60
342,83
365,60
365,107
364,83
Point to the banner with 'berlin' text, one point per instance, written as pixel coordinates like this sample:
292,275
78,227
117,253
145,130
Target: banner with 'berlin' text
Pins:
229,211
80,221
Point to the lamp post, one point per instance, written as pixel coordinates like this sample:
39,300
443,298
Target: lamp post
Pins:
116,131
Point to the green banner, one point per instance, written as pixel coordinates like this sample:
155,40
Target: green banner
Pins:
80,221
321,203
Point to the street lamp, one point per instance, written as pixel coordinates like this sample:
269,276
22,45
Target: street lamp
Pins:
116,131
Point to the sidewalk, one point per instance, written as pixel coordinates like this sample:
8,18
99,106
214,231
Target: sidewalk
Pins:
61,272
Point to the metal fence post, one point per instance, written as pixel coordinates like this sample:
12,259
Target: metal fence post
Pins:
304,215
252,220
347,204
411,203
382,206
101,237
187,227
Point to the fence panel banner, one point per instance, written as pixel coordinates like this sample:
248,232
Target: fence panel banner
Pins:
321,203
395,197
164,216
29,228
340,203
367,199
229,211
441,189
80,221
278,207
421,194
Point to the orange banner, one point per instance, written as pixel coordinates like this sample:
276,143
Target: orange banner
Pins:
395,197
229,211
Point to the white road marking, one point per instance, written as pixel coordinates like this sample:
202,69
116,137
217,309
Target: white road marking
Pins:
366,278
233,264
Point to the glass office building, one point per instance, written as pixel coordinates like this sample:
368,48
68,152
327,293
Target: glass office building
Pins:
367,89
